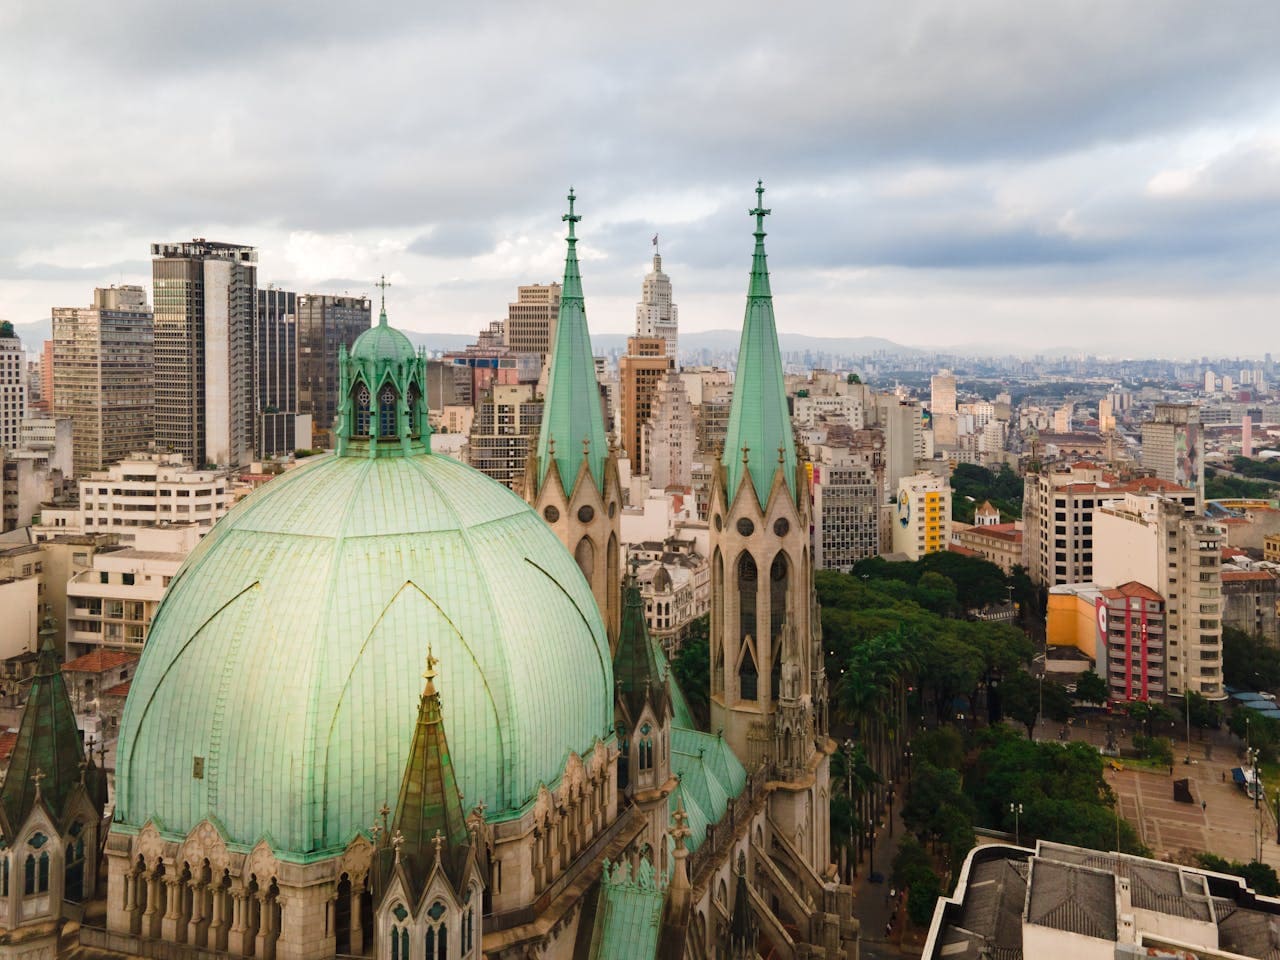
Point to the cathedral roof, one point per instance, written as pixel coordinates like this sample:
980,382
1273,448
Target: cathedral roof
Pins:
710,777
47,754
636,667
285,654
571,415
382,342
429,818
758,417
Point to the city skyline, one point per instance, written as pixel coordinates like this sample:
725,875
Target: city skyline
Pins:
951,179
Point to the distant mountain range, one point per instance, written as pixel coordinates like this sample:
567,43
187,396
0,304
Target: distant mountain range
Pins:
715,341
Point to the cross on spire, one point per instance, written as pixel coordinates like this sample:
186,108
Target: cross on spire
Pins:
571,217
429,674
759,212
438,840
383,283
36,778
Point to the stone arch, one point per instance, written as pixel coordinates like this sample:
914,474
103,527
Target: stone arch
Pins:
585,554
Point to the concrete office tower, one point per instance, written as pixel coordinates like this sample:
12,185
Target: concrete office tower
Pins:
848,490
504,430
1173,446
13,386
204,302
943,392
531,320
1246,436
669,436
902,423
1151,540
656,315
103,374
324,323
639,371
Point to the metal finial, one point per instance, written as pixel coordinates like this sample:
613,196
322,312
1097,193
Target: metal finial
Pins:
36,778
397,841
383,283
586,446
759,212
745,451
571,217
430,674
438,840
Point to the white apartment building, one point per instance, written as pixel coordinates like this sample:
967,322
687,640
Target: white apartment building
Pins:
1150,539
848,407
922,518
141,491
110,606
1173,446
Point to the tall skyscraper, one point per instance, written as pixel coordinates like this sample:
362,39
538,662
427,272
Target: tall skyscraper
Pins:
324,323
1173,446
275,349
531,320
13,386
639,371
656,315
103,373
669,436
204,323
942,387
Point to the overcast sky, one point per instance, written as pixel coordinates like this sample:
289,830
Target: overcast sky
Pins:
1098,174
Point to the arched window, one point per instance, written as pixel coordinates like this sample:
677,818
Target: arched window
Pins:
43,883
747,577
437,932
29,875
469,906
748,675
4,875
361,402
399,935
414,396
585,554
717,621
387,398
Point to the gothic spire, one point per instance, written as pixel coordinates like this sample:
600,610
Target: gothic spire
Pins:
429,821
759,437
572,421
635,664
48,754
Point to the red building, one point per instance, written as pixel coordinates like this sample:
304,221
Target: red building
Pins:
1135,642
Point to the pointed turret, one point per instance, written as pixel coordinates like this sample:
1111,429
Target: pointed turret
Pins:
429,820
743,931
636,671
48,755
759,439
572,421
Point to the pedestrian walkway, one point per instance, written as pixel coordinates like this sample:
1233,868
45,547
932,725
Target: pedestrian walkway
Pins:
879,907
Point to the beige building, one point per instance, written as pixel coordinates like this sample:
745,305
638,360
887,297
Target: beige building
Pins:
848,493
104,375
50,564
668,437
505,425
531,320
922,517
942,391
999,543
656,314
639,372
1151,540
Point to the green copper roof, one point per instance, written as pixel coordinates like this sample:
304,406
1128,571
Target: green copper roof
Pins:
637,667
572,414
286,654
429,804
758,418
710,776
382,342
48,748
629,919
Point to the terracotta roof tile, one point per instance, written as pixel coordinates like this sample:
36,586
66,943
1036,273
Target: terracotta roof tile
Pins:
119,690
99,661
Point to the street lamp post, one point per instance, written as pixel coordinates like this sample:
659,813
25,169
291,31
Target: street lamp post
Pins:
1186,696
871,850
1040,709
891,813
1253,762
848,781
1016,810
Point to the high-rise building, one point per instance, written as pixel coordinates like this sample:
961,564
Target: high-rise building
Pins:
503,431
45,403
13,386
1173,446
942,386
922,517
1150,539
656,315
279,428
325,322
531,320
103,374
848,491
669,437
204,295
645,363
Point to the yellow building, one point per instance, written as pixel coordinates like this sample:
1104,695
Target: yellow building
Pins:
1072,619
922,518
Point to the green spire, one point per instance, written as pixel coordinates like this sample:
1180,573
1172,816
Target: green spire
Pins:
572,422
759,425
430,805
48,755
636,670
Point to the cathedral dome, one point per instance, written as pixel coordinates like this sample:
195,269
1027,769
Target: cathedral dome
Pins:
382,342
278,689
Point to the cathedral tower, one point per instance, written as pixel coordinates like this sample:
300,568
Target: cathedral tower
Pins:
768,686
572,478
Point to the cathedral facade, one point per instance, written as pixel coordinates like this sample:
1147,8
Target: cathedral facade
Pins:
293,784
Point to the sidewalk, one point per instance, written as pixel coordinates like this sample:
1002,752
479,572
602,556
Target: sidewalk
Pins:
872,905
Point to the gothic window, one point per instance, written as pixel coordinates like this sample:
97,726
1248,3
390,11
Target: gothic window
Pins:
779,580
415,396
43,885
469,904
717,618
745,527
362,414
29,875
437,933
748,676
586,513
387,411
585,554
399,936
73,872
747,576
552,514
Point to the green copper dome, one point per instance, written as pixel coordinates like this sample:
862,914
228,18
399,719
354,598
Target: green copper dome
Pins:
382,342
279,688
